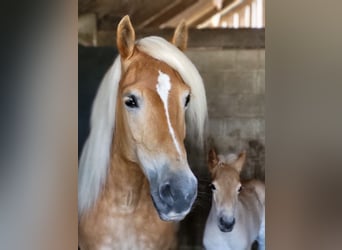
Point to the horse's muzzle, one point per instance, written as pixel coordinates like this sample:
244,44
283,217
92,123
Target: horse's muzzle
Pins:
225,225
175,196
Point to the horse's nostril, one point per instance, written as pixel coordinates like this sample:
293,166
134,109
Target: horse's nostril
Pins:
222,221
177,194
166,194
166,189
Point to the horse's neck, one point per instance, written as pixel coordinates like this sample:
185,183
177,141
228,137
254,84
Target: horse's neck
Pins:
248,203
126,184
213,211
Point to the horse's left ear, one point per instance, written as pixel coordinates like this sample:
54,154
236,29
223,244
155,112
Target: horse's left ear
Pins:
238,164
212,160
180,37
125,37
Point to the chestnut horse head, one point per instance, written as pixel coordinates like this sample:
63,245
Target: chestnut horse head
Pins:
148,101
226,187
237,215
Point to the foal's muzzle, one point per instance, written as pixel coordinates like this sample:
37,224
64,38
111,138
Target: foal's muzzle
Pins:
226,225
174,196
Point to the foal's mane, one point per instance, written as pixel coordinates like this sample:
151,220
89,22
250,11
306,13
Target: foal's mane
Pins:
94,161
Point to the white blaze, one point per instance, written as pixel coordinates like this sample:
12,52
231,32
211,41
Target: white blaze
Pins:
163,89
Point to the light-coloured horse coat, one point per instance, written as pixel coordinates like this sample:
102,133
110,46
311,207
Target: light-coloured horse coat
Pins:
134,179
237,215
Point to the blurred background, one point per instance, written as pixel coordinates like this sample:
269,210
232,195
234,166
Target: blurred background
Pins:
226,44
98,19
39,123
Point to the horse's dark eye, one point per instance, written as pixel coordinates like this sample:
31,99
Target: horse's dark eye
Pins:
212,186
187,100
240,188
131,101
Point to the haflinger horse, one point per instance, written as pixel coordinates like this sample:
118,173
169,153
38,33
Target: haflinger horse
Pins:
135,183
237,215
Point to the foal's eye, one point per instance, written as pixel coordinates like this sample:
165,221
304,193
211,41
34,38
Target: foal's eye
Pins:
212,186
187,100
131,101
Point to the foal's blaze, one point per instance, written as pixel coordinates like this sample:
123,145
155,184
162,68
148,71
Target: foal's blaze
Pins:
226,187
151,105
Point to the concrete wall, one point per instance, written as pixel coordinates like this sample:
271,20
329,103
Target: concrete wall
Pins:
235,88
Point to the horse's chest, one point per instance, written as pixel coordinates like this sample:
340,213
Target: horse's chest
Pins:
132,231
140,232
214,239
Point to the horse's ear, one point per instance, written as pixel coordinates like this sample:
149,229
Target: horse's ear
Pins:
212,160
238,164
125,37
180,37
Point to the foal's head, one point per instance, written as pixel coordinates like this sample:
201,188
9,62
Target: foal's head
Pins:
150,129
226,187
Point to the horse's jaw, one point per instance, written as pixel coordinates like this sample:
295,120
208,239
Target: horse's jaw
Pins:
174,197
171,216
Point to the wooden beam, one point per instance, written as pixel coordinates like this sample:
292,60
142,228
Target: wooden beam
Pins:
188,14
167,13
226,10
201,38
211,13
195,14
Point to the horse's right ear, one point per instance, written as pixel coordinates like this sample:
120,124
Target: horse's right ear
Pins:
238,164
125,37
212,160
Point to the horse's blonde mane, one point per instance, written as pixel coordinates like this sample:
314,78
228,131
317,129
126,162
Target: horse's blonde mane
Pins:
94,161
96,151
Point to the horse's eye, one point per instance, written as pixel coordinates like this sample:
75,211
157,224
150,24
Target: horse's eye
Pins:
187,100
240,188
131,101
212,186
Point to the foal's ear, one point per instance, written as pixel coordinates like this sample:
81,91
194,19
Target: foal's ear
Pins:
180,37
125,37
238,164
212,159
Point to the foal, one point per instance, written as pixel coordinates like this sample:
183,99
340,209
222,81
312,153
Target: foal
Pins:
237,215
